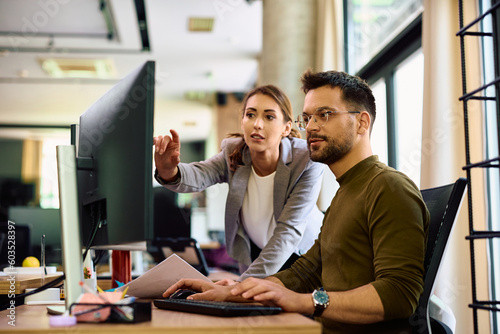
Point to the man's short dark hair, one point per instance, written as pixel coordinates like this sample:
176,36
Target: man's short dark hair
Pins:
355,91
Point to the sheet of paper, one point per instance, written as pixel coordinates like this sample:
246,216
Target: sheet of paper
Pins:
155,281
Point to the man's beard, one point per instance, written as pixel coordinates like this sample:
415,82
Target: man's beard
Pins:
334,150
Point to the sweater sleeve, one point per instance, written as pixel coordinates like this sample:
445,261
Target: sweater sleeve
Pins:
398,221
305,274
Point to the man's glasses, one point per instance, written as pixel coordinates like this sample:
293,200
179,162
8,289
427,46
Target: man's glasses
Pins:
320,117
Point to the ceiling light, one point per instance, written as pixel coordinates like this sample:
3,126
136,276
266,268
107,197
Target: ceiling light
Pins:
201,24
78,68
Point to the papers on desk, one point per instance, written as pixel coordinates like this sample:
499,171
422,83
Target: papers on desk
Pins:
155,281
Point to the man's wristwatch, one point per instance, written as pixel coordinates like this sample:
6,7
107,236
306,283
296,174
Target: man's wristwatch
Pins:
320,301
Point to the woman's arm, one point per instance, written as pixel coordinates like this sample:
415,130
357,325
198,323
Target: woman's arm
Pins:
197,176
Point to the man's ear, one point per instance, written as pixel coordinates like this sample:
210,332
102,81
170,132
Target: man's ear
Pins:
364,122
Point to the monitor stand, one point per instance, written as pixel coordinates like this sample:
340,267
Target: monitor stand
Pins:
70,227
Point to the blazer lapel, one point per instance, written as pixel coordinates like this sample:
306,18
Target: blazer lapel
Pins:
235,196
282,177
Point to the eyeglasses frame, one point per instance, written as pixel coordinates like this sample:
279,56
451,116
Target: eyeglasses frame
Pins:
313,117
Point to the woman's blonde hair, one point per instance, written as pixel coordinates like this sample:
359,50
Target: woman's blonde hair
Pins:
235,158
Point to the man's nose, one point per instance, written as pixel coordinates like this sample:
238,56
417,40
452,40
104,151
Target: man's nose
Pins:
312,125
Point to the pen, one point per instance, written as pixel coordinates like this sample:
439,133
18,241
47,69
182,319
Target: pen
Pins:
42,256
124,292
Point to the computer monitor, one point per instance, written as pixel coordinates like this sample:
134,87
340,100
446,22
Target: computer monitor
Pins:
114,162
105,177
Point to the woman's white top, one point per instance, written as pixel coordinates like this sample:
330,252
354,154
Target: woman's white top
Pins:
257,211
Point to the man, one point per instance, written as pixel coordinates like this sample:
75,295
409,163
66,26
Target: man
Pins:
365,271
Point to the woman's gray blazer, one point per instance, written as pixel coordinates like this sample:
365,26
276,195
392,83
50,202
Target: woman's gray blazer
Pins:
296,188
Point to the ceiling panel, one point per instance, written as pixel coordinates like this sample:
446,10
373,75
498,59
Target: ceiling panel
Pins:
57,17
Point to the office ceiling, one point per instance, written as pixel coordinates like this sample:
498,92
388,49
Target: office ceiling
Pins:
58,35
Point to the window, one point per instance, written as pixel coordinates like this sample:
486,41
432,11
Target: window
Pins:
379,133
49,190
392,63
408,95
397,132
373,24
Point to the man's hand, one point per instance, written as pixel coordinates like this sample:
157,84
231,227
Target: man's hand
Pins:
207,290
167,152
268,292
226,282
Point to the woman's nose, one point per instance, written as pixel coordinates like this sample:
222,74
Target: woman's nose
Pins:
258,123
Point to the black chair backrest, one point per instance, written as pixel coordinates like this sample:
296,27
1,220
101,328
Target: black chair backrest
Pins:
169,220
443,204
187,249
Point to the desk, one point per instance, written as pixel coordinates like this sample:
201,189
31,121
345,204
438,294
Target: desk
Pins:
34,319
23,282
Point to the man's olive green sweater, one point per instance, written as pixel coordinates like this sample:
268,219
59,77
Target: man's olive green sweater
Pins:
374,232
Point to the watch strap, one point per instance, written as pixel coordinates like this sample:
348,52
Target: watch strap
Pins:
318,311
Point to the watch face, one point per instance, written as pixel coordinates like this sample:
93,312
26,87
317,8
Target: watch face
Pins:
321,297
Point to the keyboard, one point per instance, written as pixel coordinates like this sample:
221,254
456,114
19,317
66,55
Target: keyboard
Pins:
216,308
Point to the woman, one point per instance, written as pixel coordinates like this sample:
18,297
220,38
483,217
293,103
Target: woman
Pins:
271,214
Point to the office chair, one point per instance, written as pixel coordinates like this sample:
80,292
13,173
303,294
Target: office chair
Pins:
443,204
169,220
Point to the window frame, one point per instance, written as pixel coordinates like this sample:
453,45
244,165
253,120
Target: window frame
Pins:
383,65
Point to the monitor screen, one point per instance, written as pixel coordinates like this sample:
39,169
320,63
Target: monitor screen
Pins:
115,162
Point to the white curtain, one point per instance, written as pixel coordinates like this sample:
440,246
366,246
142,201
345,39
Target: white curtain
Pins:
31,168
443,149
330,40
